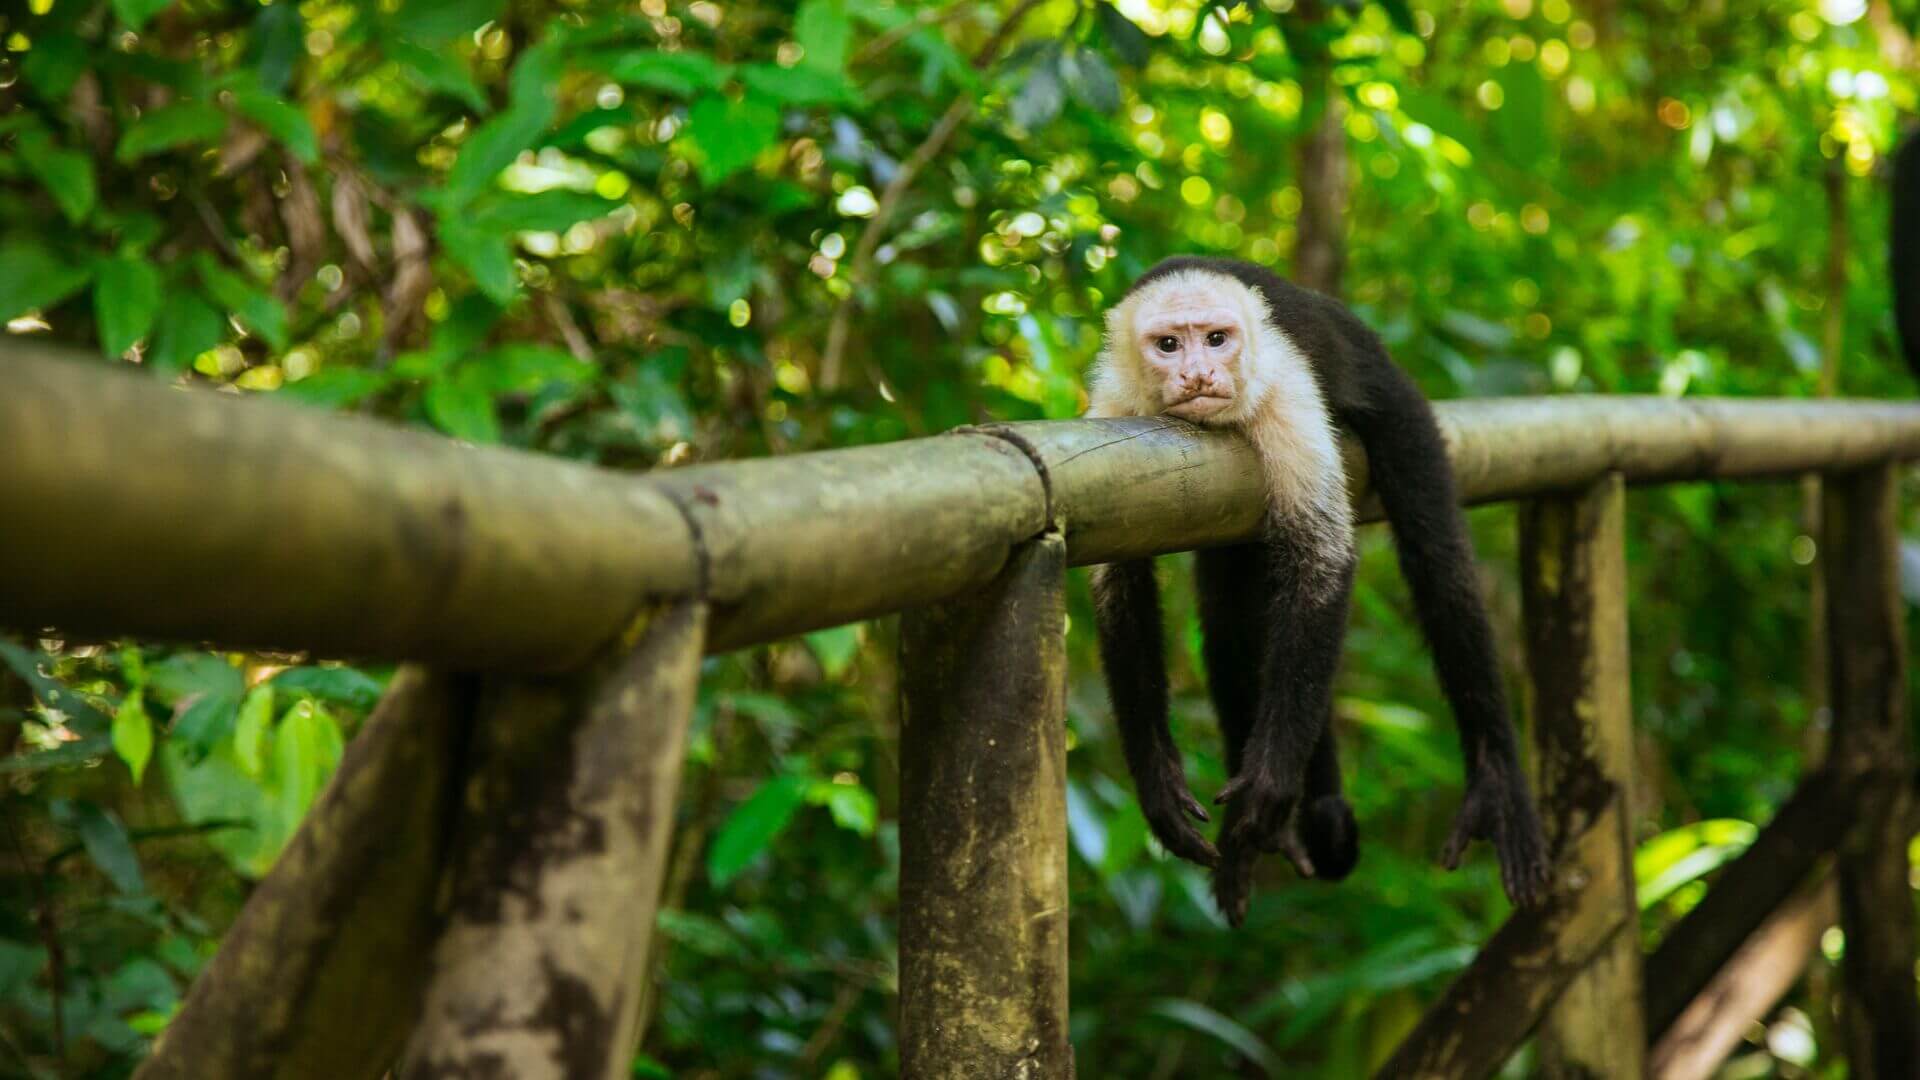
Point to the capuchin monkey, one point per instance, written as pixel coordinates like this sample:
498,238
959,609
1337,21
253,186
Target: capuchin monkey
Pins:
1222,343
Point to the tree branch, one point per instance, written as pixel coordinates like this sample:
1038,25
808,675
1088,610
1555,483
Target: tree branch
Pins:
860,272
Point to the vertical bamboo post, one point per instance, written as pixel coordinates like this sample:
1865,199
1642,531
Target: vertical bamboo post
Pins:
1573,570
983,833
568,810
1872,744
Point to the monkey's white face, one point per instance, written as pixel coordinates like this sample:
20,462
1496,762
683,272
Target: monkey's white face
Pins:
1185,345
1190,347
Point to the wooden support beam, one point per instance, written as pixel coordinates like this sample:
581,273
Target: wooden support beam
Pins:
1574,581
1492,1006
557,866
1872,746
983,829
1807,826
1744,991
322,974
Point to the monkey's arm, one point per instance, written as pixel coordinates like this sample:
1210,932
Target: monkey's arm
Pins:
1127,615
1409,470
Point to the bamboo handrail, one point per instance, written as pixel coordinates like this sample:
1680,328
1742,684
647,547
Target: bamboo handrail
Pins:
264,524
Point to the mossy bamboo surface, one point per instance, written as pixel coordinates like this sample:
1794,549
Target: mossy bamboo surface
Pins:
135,508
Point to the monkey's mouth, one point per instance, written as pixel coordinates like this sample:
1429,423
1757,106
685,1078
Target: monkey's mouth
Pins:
1199,406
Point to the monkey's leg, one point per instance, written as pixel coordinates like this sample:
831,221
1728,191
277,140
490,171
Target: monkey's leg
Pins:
1127,616
1302,653
1408,468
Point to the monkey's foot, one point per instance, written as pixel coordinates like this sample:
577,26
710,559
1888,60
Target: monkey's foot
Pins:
1499,811
1168,806
1332,837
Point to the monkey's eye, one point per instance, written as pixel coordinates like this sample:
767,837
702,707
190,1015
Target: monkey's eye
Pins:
1217,338
1168,344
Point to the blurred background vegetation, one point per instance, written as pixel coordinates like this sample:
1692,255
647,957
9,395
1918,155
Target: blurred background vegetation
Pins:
649,233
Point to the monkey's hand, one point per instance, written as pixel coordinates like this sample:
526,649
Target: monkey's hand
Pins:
1233,882
1497,809
1262,804
1167,804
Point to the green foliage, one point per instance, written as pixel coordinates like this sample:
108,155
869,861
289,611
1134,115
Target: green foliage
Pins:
624,234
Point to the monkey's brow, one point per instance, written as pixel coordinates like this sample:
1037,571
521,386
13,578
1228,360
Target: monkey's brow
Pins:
1203,319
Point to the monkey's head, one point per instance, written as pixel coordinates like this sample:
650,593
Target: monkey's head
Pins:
1185,344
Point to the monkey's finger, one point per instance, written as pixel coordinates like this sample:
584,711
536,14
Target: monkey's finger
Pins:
1192,806
1181,841
1234,787
1296,853
1456,845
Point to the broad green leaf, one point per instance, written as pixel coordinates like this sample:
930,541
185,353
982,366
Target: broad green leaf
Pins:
187,327
653,405
32,277
126,301
341,685
1091,81
306,750
853,807
835,648
253,729
107,844
494,144
184,123
824,33
1521,122
54,64
483,253
546,211
20,963
133,734
137,13
730,134
703,935
336,387
204,691
1678,856
434,22
462,408
752,827
439,71
1130,43
257,308
492,147
282,121
1040,98
32,667
66,174
683,74
277,43
524,368
217,789
1200,1018
798,86
67,755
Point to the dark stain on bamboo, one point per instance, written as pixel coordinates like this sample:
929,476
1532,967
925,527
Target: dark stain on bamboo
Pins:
557,869
1573,576
983,845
